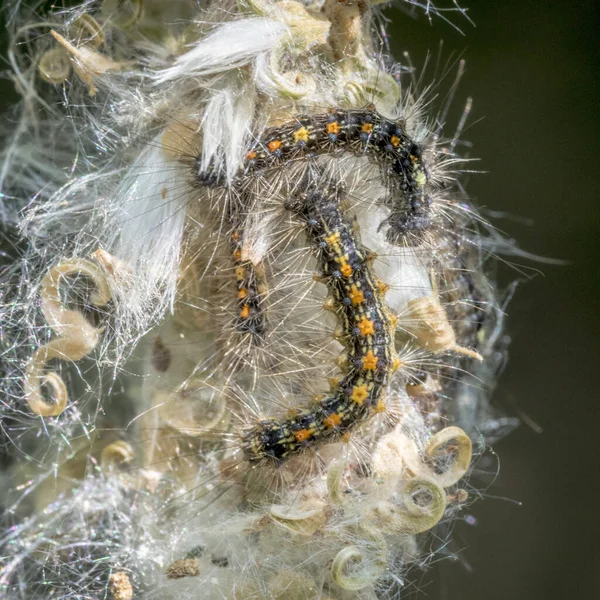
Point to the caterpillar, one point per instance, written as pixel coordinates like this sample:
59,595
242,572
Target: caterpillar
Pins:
251,284
367,330
361,132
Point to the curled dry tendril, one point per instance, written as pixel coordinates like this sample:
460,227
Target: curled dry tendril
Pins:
76,336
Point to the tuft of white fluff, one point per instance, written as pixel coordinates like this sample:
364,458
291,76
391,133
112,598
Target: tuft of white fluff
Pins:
145,226
229,46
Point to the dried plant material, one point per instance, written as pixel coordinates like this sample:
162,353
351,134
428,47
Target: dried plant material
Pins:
335,481
358,566
447,457
77,336
120,587
426,320
305,520
55,66
88,63
185,567
195,409
345,34
85,29
125,13
293,585
115,455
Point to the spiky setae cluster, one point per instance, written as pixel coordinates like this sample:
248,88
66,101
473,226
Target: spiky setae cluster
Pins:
247,336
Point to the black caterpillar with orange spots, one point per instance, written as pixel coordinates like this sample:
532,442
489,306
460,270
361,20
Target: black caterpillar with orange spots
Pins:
356,296
363,133
251,286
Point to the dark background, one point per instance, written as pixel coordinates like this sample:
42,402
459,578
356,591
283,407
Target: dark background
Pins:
532,69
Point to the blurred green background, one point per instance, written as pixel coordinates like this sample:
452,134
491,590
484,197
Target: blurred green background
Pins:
532,69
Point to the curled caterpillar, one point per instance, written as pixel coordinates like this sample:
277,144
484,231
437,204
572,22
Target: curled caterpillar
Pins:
361,132
366,329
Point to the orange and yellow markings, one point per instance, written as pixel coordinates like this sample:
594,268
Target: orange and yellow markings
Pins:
356,296
242,293
301,135
237,255
245,311
333,128
396,364
332,420
370,361
382,287
367,128
366,326
240,272
302,435
251,155
332,239
359,393
274,145
379,408
346,269
395,141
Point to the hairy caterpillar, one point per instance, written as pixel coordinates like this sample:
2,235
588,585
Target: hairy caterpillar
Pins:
356,296
305,138
362,132
251,285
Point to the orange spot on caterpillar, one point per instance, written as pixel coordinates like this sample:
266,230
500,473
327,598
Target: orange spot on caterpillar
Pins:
302,434
242,293
251,155
332,420
274,145
370,361
332,239
396,364
237,255
395,141
366,326
235,236
414,159
245,312
359,393
356,296
346,270
301,135
367,127
240,272
333,127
